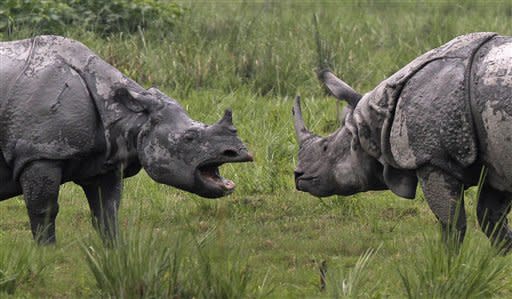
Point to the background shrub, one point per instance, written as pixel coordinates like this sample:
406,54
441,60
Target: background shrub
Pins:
103,17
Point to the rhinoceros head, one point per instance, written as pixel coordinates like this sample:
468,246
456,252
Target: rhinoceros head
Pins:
335,164
178,151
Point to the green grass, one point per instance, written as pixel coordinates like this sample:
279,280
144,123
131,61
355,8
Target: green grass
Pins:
151,263
266,240
355,283
472,271
20,263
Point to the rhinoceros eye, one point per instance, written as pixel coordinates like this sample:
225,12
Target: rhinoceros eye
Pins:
324,145
190,135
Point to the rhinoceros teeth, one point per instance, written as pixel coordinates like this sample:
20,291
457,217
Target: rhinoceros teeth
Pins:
228,184
211,173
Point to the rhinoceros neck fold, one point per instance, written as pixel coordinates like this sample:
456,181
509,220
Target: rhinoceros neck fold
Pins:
122,138
121,125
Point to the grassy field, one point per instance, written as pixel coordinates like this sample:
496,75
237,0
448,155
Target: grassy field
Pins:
266,240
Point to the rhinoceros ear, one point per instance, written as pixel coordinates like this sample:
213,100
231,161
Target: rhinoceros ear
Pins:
338,88
137,101
401,182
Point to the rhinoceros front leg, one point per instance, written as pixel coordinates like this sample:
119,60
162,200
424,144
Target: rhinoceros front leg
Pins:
443,194
104,196
40,182
492,210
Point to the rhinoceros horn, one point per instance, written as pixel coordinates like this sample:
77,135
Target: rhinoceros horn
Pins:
300,128
227,119
338,88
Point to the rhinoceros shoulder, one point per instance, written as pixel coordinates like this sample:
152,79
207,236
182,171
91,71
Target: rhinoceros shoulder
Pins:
47,110
432,121
421,114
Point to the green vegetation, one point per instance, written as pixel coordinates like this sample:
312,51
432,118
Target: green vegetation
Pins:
265,240
55,16
21,263
473,272
148,263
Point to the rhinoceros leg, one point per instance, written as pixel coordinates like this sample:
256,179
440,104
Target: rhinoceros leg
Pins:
104,196
492,210
40,181
443,194
8,187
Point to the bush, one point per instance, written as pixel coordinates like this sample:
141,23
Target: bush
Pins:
103,17
40,16
126,15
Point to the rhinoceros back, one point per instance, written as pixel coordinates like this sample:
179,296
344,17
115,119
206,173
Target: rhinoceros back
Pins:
423,112
491,99
13,59
46,109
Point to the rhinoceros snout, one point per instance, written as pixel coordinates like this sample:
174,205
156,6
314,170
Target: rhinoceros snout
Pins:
297,174
233,156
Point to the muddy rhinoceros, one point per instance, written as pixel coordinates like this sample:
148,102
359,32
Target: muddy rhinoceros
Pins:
438,120
67,115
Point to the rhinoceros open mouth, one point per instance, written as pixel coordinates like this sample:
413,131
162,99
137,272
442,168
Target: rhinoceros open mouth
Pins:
210,176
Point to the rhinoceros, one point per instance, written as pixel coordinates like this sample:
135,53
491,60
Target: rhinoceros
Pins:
439,120
67,115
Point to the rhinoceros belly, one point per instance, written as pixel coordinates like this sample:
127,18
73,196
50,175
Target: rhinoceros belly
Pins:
491,97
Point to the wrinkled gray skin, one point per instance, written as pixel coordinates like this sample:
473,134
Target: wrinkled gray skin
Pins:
436,121
66,115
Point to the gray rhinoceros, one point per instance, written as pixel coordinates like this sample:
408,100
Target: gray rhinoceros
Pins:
67,115
438,120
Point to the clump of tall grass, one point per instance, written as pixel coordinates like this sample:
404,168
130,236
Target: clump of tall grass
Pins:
20,263
138,265
218,276
471,271
147,264
444,268
355,283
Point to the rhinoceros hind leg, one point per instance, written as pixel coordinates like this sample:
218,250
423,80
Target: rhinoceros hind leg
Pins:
9,189
492,210
443,194
40,182
104,196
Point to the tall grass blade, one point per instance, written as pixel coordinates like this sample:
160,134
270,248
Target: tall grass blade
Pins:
474,271
20,263
355,283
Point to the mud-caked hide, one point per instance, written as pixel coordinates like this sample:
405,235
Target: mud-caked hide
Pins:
422,115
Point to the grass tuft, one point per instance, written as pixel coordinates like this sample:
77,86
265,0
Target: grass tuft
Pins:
20,263
472,271
355,283
147,264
